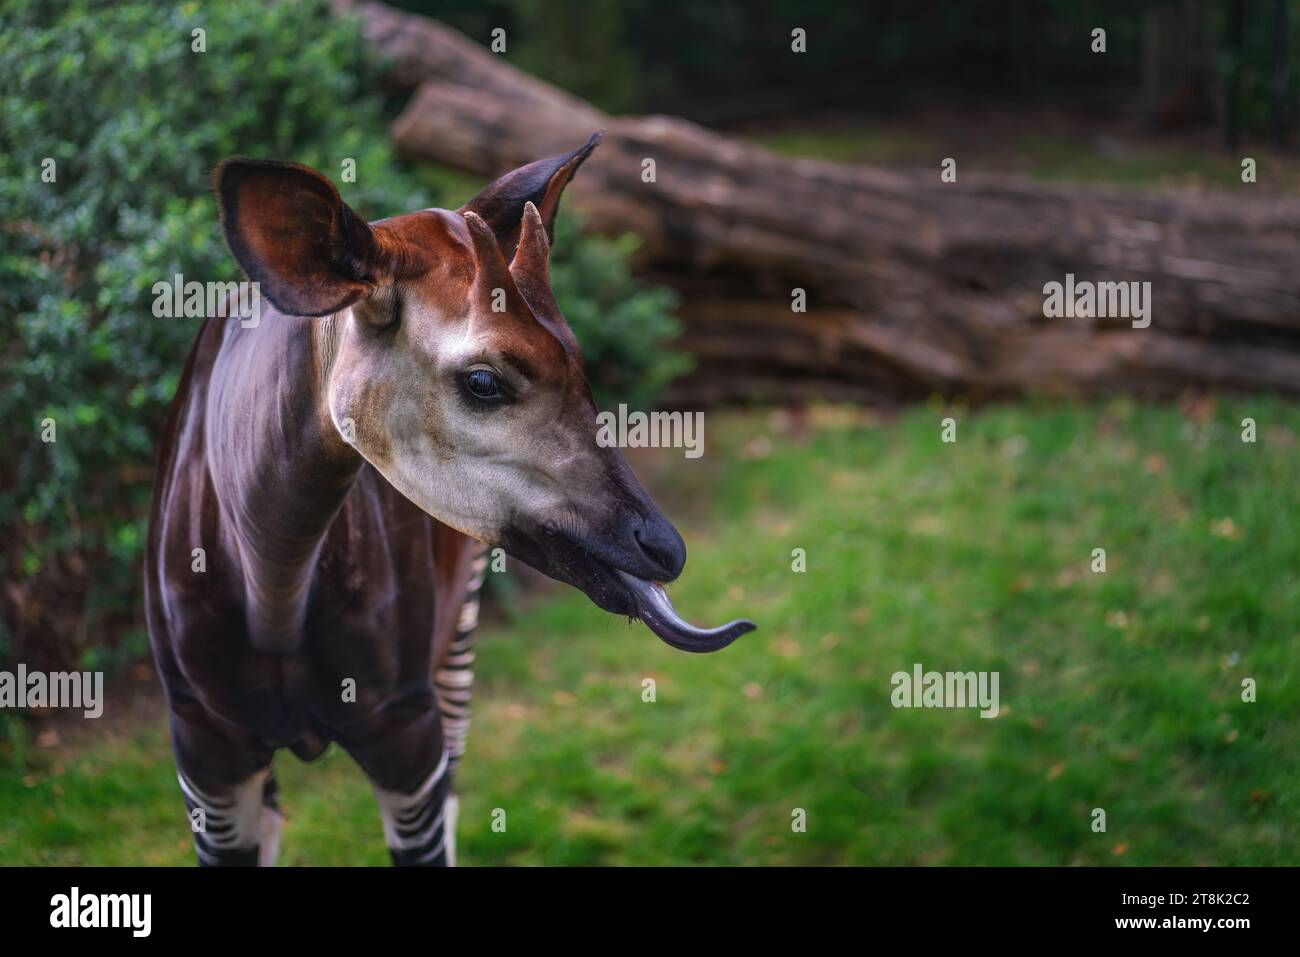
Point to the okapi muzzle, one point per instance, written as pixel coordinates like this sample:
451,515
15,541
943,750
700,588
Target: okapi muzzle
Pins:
442,359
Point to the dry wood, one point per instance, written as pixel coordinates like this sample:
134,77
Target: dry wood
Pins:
913,285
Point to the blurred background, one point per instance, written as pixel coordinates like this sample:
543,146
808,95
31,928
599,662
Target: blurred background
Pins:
1168,155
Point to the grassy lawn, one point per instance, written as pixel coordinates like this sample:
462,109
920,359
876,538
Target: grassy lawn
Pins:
1119,691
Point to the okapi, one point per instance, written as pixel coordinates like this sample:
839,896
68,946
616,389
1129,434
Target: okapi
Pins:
343,463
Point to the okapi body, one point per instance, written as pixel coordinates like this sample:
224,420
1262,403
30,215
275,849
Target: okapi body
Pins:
342,464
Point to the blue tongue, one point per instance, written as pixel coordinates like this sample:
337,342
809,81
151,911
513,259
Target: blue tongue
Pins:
656,610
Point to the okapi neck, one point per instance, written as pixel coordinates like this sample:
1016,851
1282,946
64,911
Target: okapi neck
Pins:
280,468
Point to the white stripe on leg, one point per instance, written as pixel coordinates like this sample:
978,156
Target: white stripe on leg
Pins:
415,823
227,829
272,824
451,814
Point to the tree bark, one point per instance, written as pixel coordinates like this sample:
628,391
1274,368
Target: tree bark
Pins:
914,286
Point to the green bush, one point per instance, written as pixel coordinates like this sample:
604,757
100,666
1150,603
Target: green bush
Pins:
133,120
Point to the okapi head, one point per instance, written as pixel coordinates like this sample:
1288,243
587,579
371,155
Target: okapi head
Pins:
451,370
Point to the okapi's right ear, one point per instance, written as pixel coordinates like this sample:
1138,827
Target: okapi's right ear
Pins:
291,232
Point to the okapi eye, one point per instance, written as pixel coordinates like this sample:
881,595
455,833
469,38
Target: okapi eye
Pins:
483,383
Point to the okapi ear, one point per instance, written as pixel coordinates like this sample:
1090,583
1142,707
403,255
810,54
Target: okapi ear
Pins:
291,232
501,204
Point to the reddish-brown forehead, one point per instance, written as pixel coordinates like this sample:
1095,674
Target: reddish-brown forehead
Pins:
430,250
520,336
426,241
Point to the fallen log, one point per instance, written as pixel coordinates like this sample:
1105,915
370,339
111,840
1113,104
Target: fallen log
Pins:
913,285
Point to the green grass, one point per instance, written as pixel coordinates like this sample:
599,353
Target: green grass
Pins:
1120,690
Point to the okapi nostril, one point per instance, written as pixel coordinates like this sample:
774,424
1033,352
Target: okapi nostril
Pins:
667,552
649,550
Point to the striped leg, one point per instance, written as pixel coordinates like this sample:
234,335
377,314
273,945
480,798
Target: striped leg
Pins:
455,686
227,826
271,823
416,824
455,679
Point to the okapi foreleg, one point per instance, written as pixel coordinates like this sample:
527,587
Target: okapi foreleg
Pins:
272,823
228,826
416,824
454,679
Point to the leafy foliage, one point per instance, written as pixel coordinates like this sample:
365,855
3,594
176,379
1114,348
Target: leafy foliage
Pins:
131,131
729,57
